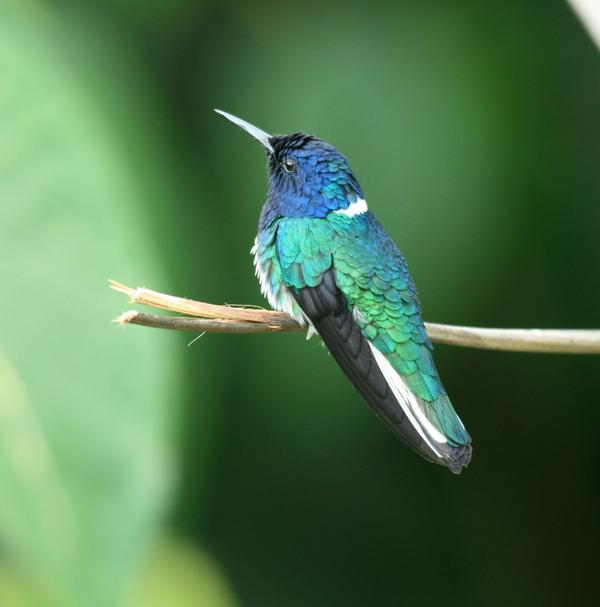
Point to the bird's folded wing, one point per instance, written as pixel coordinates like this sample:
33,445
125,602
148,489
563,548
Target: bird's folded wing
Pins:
327,309
356,290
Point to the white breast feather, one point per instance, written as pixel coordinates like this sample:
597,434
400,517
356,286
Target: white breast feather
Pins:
282,300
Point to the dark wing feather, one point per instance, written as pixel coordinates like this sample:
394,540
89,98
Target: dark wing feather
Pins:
327,309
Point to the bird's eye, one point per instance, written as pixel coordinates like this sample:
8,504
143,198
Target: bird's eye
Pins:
289,165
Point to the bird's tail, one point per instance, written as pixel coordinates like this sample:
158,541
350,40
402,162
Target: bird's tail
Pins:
444,439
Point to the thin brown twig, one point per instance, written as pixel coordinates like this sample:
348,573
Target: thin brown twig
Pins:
210,318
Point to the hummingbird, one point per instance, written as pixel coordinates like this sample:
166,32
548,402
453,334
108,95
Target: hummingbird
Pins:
321,256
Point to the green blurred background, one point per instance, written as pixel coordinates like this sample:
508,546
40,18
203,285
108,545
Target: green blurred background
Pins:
244,470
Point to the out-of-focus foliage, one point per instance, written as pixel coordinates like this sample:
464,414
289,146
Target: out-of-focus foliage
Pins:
85,435
179,575
475,132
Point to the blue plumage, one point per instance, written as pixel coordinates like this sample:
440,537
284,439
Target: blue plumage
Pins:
320,182
322,257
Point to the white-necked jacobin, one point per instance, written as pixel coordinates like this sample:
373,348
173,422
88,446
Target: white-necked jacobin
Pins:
321,256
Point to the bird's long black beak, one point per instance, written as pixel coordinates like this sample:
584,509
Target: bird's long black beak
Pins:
249,128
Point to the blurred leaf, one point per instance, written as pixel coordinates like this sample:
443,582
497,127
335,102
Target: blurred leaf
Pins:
158,15
36,511
178,575
14,591
85,467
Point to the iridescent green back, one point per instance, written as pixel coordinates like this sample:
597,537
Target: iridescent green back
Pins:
373,276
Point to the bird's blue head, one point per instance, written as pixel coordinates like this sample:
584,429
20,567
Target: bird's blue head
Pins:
308,177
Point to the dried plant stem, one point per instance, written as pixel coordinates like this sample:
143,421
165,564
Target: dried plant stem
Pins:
210,318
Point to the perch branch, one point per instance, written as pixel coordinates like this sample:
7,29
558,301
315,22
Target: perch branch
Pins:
210,318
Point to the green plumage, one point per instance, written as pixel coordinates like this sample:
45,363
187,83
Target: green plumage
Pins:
372,274
323,258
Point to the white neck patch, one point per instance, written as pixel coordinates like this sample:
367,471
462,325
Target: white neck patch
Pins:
358,207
